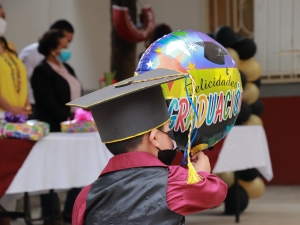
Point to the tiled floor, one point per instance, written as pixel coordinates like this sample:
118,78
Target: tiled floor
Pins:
280,205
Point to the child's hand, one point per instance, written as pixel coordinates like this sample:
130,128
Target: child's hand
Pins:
201,162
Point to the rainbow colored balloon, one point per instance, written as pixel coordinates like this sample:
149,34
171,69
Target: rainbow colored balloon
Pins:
218,89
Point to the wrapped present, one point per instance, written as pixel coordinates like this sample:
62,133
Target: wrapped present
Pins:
1,129
83,122
44,125
26,131
16,126
75,126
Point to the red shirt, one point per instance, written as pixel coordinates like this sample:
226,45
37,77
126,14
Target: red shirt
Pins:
181,197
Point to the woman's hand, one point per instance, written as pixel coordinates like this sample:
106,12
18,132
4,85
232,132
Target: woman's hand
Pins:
15,110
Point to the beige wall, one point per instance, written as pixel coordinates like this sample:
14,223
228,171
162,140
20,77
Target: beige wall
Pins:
28,19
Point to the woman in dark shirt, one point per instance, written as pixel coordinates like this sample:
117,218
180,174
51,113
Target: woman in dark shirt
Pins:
54,84
53,81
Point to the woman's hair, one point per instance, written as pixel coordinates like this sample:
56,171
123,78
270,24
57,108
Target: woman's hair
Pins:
159,31
4,43
49,41
62,25
2,8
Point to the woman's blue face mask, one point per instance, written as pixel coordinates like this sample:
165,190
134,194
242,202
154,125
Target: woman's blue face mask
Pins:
65,55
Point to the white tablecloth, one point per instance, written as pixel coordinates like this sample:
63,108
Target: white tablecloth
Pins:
245,147
64,160
61,161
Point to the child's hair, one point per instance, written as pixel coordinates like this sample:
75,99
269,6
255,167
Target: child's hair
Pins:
120,147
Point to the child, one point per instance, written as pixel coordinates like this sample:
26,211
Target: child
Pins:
137,186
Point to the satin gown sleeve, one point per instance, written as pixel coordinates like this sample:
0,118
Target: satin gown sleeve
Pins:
191,198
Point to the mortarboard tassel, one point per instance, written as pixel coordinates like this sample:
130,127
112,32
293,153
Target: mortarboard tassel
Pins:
193,176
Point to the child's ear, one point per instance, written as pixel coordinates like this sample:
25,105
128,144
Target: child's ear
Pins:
152,138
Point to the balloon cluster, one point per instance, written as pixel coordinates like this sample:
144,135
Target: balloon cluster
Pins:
242,50
250,186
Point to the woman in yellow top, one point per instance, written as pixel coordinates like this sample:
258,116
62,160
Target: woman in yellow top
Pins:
13,79
13,83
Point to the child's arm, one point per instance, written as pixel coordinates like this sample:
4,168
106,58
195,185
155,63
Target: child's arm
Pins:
79,206
186,198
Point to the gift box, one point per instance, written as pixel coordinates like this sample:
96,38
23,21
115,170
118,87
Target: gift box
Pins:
75,126
27,131
83,122
45,126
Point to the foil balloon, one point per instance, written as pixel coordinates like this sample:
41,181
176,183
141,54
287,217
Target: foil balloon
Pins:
215,82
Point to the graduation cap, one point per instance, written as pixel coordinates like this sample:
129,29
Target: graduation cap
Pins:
131,107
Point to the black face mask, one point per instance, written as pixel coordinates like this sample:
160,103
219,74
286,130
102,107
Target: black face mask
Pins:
167,155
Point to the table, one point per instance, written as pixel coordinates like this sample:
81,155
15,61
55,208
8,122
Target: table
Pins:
57,162
62,161
13,152
245,147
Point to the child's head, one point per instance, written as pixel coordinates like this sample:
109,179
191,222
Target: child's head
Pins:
158,142
156,138
132,115
128,145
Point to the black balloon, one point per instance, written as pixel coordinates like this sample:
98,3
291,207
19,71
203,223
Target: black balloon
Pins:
257,107
230,201
248,175
225,35
211,35
257,82
243,78
244,114
245,47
